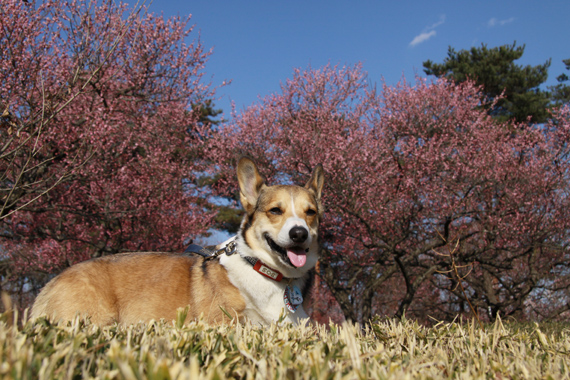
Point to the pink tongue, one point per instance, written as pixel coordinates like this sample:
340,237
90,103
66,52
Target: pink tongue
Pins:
297,257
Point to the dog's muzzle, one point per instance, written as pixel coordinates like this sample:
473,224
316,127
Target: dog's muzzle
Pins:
294,256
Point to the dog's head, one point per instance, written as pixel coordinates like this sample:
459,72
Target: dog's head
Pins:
281,224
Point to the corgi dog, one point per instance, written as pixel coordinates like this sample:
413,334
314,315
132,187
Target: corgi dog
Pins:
263,277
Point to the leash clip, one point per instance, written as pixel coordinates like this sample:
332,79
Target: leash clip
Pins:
231,248
208,254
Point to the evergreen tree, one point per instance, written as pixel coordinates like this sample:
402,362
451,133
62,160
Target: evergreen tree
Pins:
207,113
495,70
561,92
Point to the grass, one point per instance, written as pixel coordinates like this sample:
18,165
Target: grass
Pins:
384,350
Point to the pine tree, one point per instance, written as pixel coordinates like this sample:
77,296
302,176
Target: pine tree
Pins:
494,69
560,94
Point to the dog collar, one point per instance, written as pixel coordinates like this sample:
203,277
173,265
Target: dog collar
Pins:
261,268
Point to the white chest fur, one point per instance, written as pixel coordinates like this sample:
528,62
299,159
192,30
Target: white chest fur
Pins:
263,296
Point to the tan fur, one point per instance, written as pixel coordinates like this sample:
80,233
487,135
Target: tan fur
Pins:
130,288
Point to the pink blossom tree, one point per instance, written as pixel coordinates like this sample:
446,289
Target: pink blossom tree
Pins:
99,132
415,172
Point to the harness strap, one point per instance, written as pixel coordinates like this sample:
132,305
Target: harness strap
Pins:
202,251
210,253
230,249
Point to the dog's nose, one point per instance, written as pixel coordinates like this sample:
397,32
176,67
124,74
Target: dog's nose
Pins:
298,234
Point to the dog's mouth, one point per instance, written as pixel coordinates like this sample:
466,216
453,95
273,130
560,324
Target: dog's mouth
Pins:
295,256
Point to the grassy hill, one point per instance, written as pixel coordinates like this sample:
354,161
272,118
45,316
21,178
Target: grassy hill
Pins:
384,350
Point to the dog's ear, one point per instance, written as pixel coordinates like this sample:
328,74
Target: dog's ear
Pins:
316,181
250,183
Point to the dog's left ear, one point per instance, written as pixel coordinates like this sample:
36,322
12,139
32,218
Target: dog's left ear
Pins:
250,183
316,181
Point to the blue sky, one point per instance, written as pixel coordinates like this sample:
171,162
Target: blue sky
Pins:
258,43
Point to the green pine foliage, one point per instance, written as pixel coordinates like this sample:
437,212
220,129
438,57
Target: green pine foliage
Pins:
560,94
515,88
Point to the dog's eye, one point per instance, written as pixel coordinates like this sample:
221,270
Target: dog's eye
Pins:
276,211
311,212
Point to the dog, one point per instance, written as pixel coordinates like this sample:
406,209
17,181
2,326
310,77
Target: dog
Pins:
265,280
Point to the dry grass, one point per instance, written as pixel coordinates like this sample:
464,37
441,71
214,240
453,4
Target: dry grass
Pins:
384,350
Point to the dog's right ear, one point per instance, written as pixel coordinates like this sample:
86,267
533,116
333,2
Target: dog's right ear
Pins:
250,183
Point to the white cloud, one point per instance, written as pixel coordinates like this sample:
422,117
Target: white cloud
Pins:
422,37
495,22
428,32
441,21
